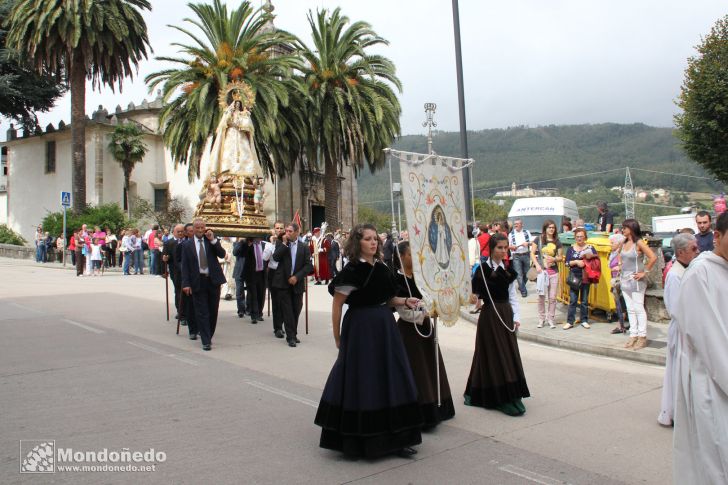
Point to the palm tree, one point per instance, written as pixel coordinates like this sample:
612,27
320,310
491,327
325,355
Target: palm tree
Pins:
235,45
128,148
353,111
81,39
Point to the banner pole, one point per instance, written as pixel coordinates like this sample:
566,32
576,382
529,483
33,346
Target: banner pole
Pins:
437,362
391,195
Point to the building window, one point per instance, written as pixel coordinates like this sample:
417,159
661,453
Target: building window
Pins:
50,166
160,200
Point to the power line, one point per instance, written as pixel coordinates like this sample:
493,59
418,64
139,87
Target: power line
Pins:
552,180
673,174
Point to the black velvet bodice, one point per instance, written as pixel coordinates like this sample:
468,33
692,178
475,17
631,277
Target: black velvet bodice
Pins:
374,285
498,282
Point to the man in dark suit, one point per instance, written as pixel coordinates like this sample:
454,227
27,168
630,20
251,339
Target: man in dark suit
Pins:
239,249
294,264
168,256
254,271
279,230
187,308
202,277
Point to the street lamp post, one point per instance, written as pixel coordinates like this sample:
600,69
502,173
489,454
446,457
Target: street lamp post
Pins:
461,108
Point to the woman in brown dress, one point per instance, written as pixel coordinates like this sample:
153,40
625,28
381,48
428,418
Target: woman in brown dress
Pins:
496,378
420,346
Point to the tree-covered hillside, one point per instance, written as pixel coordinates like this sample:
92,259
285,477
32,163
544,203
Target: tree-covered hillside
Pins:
524,155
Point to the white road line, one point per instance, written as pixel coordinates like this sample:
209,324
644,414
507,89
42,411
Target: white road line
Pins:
27,308
161,352
81,325
529,475
281,392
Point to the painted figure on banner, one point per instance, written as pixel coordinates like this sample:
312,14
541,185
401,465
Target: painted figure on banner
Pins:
434,200
440,237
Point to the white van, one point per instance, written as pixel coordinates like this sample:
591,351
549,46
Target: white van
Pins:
533,211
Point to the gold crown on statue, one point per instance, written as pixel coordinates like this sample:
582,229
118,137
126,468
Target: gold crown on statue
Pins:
237,91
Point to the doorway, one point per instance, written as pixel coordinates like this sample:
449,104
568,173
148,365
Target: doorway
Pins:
318,216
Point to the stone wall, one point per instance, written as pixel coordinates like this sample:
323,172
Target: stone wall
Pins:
16,252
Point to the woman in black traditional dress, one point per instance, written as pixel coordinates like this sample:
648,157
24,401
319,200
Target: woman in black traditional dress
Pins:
496,378
421,350
369,404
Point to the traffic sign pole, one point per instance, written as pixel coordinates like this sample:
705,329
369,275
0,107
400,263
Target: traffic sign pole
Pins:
66,203
65,237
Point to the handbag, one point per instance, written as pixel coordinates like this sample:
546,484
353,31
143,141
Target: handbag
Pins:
573,281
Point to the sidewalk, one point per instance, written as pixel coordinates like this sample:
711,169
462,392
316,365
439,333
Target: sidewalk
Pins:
596,340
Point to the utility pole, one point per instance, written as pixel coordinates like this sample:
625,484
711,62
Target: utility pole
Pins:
628,196
461,108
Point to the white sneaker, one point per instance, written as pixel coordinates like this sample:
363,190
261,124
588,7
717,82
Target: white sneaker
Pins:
540,324
551,324
585,324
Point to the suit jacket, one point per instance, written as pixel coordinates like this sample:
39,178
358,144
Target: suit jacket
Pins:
170,250
249,263
240,248
191,267
301,270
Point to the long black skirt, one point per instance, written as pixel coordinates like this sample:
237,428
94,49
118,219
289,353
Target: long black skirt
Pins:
496,374
421,355
369,404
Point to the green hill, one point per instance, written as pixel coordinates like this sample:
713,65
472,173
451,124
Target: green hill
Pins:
525,155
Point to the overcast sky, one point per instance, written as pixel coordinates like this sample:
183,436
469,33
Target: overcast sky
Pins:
526,62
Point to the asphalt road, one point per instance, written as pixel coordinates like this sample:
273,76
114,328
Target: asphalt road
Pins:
91,363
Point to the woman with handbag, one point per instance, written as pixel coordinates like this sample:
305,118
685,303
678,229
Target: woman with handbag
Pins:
546,252
418,337
369,404
576,257
496,379
633,283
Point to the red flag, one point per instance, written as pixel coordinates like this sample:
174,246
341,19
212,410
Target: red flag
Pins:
297,220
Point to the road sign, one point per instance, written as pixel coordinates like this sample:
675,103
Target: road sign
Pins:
66,199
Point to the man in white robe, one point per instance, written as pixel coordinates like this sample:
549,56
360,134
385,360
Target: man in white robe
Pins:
686,248
700,447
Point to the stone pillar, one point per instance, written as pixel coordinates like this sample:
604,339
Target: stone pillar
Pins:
654,277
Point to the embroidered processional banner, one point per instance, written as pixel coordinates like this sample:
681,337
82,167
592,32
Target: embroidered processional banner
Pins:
434,200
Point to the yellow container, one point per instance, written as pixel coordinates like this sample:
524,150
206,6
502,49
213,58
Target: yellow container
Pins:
600,294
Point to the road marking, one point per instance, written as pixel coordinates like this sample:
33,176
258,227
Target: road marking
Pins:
529,475
161,352
282,393
81,325
27,308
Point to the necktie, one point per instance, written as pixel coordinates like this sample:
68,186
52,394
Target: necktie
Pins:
258,257
202,255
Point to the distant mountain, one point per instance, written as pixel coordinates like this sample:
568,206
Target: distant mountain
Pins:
524,155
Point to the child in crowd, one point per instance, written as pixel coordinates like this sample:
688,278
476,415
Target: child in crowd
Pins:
96,257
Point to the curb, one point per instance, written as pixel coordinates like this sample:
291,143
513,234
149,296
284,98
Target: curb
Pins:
648,357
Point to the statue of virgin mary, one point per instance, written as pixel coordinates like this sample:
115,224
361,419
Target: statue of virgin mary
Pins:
234,147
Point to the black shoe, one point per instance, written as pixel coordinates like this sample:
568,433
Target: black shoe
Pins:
407,452
253,321
228,297
291,343
176,317
207,347
278,333
317,283
260,318
298,341
241,315
193,336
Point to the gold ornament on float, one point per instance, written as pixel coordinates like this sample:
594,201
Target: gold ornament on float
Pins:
237,91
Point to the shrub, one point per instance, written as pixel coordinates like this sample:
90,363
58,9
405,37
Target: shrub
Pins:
104,215
8,236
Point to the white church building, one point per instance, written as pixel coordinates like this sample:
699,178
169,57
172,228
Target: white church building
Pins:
36,168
